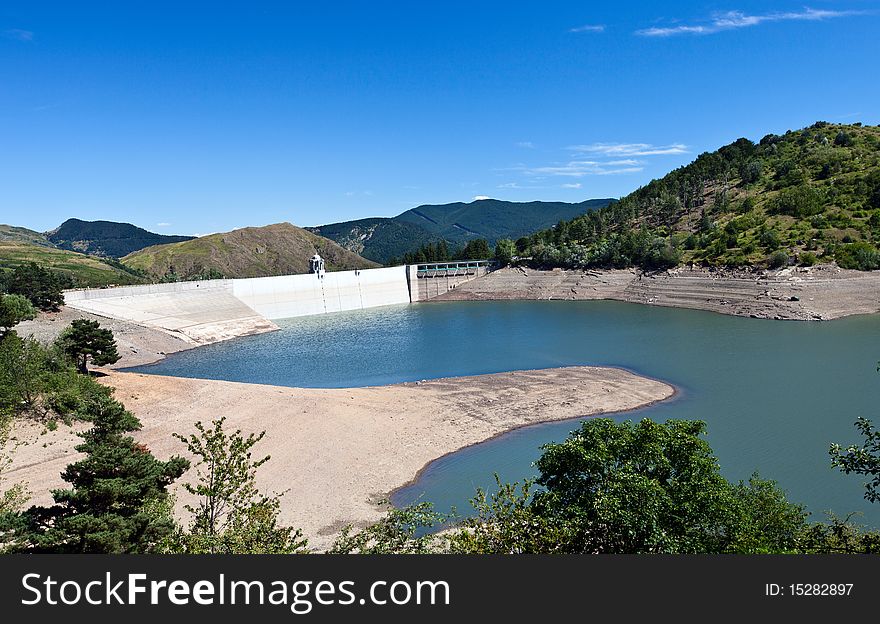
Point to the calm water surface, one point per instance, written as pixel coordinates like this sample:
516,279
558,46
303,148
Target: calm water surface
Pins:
774,394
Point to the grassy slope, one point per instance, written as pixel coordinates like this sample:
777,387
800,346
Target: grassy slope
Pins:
812,191
15,234
84,270
277,249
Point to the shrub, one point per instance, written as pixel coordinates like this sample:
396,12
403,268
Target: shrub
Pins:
860,256
808,258
778,259
800,201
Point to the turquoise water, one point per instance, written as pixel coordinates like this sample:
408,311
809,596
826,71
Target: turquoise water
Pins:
775,394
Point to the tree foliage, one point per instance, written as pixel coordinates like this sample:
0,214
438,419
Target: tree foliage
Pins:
505,250
13,310
400,531
41,286
231,515
116,490
86,340
863,460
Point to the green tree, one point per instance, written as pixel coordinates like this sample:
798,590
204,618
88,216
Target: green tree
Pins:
863,460
42,287
13,310
231,515
116,491
23,373
476,249
85,340
505,250
506,523
12,499
656,487
400,531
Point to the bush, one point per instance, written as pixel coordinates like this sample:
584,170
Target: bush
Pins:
800,201
808,258
860,256
778,259
13,310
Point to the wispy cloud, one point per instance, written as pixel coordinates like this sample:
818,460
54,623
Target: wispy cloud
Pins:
588,28
575,185
731,20
578,169
525,144
629,149
18,34
163,225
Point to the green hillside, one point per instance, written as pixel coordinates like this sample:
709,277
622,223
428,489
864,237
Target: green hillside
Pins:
805,196
492,218
380,239
15,234
77,270
279,249
377,238
106,238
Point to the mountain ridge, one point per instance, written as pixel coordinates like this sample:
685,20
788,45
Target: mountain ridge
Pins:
382,238
113,239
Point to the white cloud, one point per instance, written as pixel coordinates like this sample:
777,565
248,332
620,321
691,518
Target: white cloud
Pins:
737,19
630,149
576,185
578,169
588,28
479,197
163,224
18,34
526,144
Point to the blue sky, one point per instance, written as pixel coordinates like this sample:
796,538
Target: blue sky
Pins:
213,116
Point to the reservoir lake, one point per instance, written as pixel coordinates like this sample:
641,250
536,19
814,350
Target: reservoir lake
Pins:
774,394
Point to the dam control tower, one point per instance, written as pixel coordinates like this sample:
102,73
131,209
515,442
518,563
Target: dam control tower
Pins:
316,265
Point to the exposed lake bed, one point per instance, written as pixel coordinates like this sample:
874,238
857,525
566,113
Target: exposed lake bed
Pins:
775,394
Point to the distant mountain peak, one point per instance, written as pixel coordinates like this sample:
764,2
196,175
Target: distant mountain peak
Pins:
106,238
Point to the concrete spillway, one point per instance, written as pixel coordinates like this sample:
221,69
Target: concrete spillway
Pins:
209,311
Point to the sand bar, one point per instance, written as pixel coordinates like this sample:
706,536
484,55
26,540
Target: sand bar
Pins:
338,452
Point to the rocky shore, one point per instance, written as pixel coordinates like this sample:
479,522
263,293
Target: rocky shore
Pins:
800,293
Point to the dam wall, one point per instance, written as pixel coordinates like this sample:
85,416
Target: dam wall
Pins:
287,296
434,279
209,311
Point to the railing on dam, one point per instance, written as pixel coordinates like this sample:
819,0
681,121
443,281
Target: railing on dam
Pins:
453,269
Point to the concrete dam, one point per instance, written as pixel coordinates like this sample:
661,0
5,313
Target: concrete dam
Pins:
203,312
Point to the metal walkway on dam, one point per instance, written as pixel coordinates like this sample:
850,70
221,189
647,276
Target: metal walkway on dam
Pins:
208,311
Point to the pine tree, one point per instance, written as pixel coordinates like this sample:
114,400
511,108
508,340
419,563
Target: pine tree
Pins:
118,491
86,339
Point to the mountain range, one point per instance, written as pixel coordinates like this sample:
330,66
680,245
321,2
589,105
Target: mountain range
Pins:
383,238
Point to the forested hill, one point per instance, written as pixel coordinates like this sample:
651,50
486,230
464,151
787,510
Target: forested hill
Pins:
456,224
805,196
106,238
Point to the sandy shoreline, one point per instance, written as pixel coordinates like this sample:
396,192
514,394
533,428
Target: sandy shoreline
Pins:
338,452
